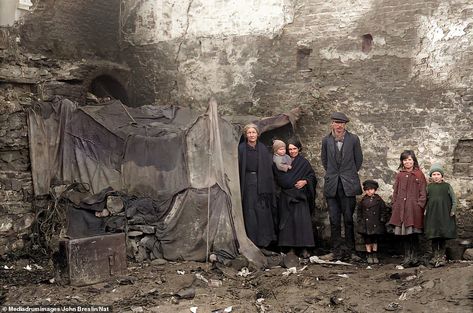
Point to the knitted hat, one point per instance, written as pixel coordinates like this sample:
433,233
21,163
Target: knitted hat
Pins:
436,168
370,184
278,144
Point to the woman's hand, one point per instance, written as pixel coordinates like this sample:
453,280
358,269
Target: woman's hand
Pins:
300,183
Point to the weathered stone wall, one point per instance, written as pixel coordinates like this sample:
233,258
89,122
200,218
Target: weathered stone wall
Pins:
73,29
57,49
401,70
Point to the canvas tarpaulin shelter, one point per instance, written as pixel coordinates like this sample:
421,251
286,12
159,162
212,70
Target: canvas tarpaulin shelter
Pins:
185,161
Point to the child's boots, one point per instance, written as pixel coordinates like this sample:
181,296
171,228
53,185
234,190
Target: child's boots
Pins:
375,258
369,258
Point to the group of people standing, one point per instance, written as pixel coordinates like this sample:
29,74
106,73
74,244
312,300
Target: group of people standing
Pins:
278,197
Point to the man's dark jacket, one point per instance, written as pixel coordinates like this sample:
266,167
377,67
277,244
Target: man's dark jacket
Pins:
347,171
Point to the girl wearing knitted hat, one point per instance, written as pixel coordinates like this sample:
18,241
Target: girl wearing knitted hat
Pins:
439,220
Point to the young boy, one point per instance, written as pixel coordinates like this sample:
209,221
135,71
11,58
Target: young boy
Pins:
371,218
280,158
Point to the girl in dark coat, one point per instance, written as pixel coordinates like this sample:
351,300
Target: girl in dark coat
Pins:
296,201
440,222
257,188
409,198
371,217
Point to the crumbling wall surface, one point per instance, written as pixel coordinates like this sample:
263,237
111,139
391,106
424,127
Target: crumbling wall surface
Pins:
401,70
66,29
24,78
187,51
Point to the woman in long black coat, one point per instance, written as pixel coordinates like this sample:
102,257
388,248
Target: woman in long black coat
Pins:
257,188
296,201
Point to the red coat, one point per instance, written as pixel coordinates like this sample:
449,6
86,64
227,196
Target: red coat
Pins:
409,199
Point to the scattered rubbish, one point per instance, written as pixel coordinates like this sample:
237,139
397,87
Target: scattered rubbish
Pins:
316,259
292,270
52,280
411,277
303,268
137,309
180,272
202,278
226,310
7,268
38,267
174,300
342,275
193,309
260,306
395,276
215,283
335,300
290,260
213,258
428,285
369,267
239,262
393,306
399,267
187,293
126,280
159,262
28,268
409,292
244,272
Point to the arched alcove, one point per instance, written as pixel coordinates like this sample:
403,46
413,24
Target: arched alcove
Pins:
107,86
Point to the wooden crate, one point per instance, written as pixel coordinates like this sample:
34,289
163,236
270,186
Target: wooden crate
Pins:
91,260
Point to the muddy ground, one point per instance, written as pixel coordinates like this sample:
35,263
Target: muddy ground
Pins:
151,287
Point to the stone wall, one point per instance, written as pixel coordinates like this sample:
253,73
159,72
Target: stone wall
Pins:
401,70
57,49
73,29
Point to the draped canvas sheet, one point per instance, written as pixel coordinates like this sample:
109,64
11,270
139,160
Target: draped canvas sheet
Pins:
184,160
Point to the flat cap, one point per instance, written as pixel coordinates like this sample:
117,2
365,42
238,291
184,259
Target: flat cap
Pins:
339,116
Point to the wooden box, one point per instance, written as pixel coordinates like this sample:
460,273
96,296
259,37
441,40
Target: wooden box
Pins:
90,260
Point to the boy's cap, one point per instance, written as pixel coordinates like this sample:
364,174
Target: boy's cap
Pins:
278,144
339,116
370,184
436,168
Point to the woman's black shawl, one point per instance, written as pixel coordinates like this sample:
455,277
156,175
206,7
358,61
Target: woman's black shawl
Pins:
301,169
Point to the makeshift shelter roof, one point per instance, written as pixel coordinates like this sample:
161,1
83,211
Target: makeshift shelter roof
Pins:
185,160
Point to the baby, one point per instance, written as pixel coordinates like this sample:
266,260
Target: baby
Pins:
280,158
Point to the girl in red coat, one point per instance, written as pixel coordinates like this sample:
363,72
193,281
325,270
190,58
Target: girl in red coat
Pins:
409,199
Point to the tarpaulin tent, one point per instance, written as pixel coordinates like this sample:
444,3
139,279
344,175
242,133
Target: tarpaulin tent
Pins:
186,161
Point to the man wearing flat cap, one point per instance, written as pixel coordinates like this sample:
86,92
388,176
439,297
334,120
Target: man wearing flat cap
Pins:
341,158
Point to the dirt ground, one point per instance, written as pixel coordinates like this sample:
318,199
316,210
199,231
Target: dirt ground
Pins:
149,287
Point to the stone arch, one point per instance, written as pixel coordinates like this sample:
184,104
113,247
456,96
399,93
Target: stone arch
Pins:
105,85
